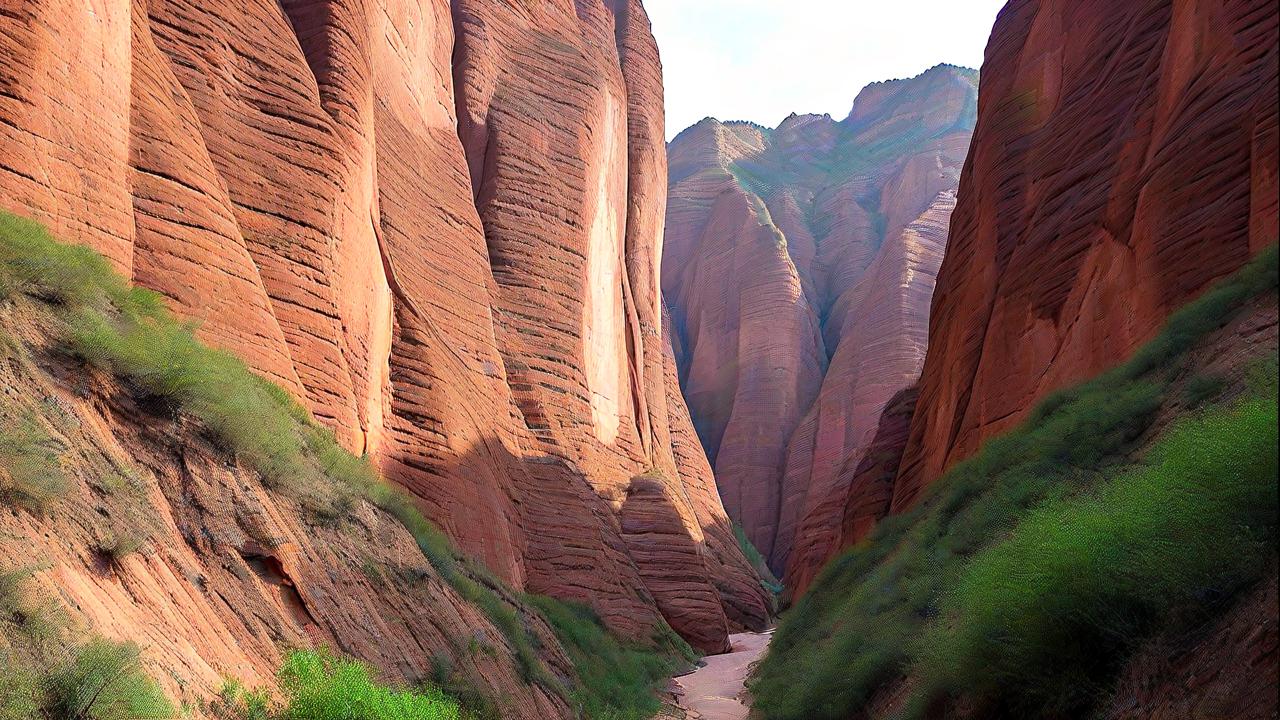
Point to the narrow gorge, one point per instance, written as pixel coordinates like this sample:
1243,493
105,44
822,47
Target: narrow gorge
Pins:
397,360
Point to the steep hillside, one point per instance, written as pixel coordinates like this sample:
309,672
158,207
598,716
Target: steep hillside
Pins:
155,492
1113,556
1125,156
437,226
798,265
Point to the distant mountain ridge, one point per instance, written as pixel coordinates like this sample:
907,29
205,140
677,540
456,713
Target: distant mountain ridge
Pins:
798,267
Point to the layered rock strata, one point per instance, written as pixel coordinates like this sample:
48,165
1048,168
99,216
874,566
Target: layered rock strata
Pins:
1125,157
799,264
438,225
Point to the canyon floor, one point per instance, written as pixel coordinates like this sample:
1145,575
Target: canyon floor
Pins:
715,691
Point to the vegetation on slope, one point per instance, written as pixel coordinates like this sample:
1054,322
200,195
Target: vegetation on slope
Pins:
49,669
128,332
758,562
320,686
1031,570
619,681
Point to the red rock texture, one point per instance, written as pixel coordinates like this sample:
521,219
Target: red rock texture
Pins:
438,224
867,482
798,264
228,574
1125,157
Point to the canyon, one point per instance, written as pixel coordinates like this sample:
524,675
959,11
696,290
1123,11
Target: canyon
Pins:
605,387
799,264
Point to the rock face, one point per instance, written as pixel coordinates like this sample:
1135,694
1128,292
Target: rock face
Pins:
228,574
1125,157
799,263
438,225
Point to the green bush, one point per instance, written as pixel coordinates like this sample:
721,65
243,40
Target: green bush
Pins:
862,621
1203,388
19,690
102,681
618,681
319,686
32,472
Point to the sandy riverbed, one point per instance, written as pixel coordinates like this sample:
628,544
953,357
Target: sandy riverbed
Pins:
714,692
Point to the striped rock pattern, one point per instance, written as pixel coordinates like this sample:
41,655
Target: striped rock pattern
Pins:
799,264
438,225
1125,157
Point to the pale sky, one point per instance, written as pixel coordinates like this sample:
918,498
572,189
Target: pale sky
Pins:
761,60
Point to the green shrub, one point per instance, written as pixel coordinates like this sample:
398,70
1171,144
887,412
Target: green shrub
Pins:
618,681
19,690
102,681
320,686
32,472
862,621
235,702
1203,388
121,545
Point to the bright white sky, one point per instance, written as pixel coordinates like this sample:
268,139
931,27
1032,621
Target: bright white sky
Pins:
761,60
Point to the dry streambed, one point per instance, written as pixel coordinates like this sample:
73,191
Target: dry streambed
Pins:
716,691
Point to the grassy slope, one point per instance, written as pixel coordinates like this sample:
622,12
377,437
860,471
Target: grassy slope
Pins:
1030,570
129,332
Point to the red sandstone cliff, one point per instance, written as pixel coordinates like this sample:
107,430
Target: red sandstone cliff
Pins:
438,225
799,263
1125,157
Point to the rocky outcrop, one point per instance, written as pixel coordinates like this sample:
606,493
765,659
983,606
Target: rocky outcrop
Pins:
1125,157
799,263
437,224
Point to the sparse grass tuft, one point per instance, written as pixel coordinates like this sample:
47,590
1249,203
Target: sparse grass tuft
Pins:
31,474
38,622
236,702
1202,389
121,545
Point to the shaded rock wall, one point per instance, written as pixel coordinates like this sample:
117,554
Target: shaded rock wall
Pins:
437,224
1125,157
799,263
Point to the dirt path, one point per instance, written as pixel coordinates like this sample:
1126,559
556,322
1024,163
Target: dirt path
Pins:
714,692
